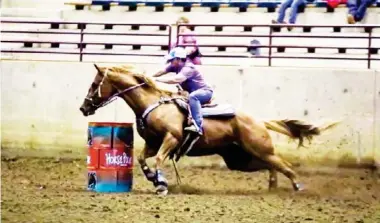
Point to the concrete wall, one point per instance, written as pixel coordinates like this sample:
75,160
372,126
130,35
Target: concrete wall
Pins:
376,136
40,106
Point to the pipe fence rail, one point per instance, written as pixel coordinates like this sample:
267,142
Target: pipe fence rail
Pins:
82,44
369,47
274,34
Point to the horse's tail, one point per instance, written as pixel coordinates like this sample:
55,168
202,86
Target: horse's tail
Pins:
297,129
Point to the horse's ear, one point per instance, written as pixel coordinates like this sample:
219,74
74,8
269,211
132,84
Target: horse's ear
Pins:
97,68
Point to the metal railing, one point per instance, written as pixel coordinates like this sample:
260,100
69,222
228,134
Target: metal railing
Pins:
270,37
54,25
274,34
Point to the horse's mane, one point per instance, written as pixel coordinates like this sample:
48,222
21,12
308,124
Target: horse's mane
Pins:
140,76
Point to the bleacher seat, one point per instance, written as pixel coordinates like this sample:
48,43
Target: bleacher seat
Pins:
188,5
199,12
256,12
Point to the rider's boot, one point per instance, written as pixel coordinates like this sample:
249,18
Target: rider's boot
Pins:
193,128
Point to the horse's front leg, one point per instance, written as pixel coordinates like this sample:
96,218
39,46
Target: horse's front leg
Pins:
272,179
145,154
168,144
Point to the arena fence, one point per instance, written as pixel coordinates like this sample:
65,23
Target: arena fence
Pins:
274,33
61,35
366,50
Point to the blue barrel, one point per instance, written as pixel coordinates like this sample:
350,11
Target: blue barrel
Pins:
110,157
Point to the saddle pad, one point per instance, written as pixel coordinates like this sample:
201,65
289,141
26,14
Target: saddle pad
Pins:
220,110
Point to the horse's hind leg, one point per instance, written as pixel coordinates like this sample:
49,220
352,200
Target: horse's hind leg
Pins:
237,158
256,140
279,164
272,179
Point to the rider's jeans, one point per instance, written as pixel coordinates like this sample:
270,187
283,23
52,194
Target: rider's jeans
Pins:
358,8
196,98
294,5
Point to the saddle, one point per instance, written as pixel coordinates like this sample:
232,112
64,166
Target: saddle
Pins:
185,95
209,109
210,104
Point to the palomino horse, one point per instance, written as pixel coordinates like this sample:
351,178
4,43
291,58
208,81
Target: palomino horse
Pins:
243,142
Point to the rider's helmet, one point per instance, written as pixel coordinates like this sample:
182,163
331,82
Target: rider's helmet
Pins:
177,52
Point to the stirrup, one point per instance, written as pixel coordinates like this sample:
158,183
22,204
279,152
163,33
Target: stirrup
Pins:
191,145
193,128
184,149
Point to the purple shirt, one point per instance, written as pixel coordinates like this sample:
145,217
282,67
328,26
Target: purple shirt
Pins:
190,39
194,79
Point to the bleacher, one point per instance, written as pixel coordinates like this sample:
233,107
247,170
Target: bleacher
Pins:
112,31
242,11
188,5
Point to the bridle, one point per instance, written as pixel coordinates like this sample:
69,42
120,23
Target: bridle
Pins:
113,97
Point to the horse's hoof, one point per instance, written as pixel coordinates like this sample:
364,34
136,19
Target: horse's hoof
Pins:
161,190
273,185
272,188
298,187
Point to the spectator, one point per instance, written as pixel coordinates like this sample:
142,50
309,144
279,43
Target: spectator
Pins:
254,48
357,10
192,51
294,5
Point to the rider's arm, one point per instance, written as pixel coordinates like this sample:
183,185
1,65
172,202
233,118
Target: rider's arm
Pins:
166,70
160,73
182,76
176,79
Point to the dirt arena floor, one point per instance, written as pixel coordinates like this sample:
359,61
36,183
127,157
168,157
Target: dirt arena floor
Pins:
50,190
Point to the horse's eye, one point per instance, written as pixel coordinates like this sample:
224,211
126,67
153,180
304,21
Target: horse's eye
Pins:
93,85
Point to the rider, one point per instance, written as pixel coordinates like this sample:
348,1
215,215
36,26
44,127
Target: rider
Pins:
191,80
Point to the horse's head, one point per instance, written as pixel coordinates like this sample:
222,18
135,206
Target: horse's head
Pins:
111,82
100,91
